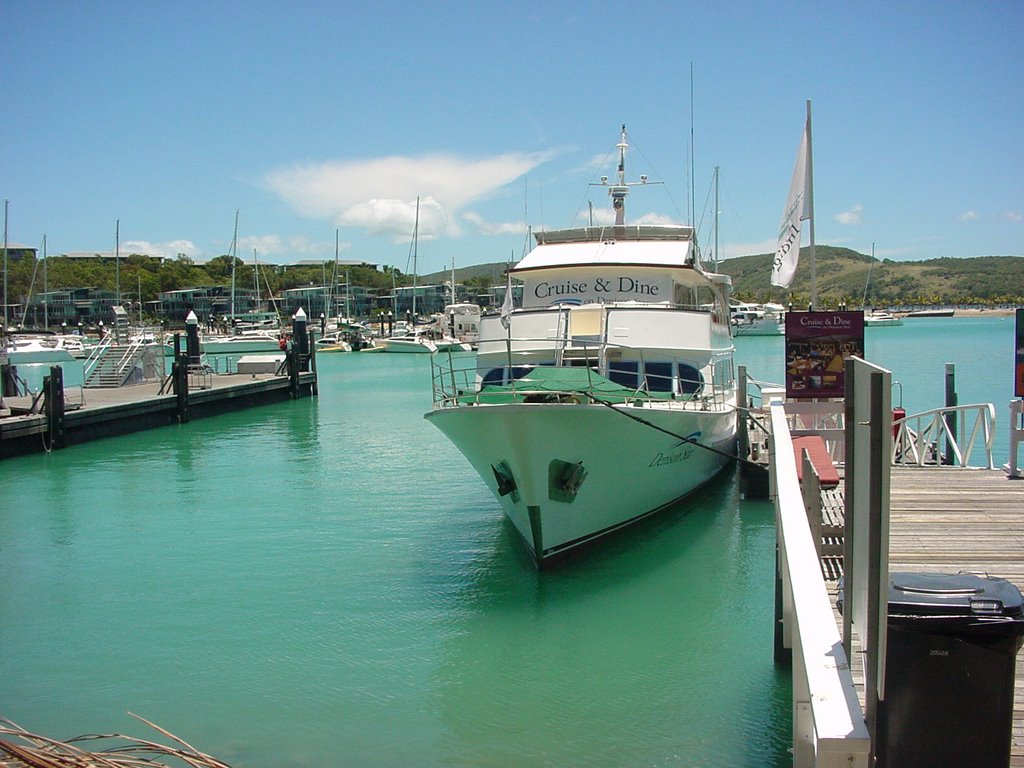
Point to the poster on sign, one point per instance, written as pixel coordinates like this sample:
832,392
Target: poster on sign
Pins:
1018,368
817,344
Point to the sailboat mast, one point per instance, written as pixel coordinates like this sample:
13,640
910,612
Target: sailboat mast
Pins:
334,279
46,289
117,259
867,281
234,245
6,324
810,209
415,247
716,220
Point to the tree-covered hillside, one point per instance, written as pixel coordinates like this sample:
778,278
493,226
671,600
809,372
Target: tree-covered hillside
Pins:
847,276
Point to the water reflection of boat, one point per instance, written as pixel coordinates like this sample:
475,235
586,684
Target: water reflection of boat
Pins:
585,415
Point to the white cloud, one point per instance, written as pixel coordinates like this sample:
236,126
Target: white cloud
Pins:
852,216
168,250
1013,216
275,245
380,194
493,228
969,216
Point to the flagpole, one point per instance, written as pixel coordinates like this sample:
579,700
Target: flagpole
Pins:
810,209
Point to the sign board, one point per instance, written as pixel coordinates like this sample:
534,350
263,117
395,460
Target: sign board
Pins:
817,343
1018,368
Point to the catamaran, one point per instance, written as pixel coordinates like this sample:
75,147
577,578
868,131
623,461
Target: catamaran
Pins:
609,394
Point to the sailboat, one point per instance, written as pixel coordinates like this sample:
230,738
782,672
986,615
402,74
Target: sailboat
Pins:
610,394
413,339
876,318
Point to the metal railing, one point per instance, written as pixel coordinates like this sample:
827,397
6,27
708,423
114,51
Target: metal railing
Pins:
945,437
460,380
1016,437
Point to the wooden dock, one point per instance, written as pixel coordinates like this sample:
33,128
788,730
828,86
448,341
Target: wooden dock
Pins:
122,410
947,520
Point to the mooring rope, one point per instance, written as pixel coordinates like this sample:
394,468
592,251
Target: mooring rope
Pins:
670,433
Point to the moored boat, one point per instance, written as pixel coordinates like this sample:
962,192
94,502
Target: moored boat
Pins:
411,341
757,319
24,348
244,341
881,318
610,394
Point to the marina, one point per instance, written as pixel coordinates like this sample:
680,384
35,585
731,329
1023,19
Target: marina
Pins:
391,590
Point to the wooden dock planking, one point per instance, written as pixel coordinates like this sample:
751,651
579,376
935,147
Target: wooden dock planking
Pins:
948,520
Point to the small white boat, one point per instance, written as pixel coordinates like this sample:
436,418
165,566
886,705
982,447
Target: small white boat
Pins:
610,394
411,341
24,348
880,318
463,322
757,319
332,342
245,341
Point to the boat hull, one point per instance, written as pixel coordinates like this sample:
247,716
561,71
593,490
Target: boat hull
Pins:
29,356
233,346
582,471
407,347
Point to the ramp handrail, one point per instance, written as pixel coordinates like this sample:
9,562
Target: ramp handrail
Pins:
945,436
828,722
96,354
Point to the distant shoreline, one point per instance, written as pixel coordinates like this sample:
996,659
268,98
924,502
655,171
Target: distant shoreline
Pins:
985,312
959,311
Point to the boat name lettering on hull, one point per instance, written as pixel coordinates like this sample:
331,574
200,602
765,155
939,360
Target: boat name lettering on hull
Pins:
664,459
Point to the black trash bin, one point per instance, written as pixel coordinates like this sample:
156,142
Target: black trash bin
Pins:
949,671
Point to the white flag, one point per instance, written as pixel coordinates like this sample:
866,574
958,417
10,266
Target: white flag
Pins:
506,305
797,209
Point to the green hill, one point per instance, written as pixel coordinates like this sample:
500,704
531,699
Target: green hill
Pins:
843,275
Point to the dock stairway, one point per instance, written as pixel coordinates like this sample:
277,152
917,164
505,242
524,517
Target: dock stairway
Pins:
113,365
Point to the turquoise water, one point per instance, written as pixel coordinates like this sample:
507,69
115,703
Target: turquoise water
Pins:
326,582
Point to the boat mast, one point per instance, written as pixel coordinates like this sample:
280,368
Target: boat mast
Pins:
234,245
415,246
620,190
334,278
864,299
6,327
46,303
715,260
117,259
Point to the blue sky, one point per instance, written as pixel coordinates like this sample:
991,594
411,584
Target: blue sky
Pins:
309,118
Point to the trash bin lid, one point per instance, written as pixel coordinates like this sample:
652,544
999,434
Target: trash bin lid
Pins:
954,595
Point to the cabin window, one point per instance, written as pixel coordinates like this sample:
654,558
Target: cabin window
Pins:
658,377
624,372
690,379
506,375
